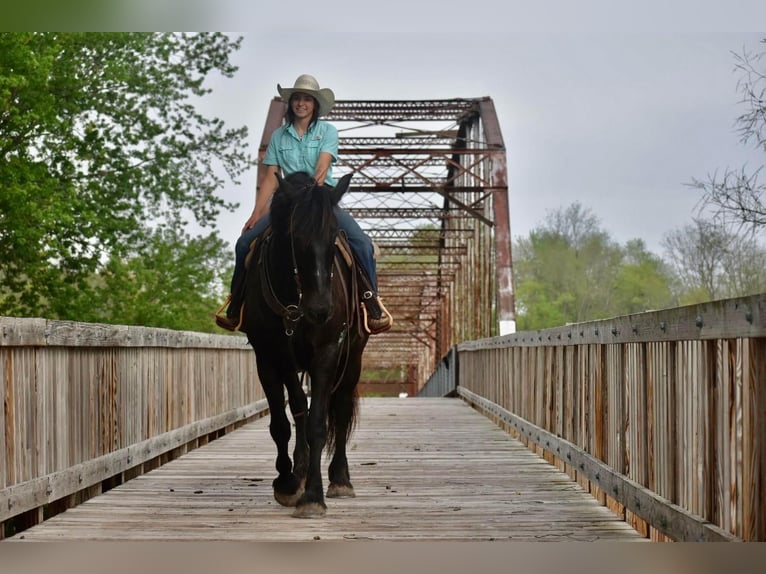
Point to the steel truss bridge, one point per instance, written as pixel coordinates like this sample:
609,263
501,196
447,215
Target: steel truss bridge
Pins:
430,187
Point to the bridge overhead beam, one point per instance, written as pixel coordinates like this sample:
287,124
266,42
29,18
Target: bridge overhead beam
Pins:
506,307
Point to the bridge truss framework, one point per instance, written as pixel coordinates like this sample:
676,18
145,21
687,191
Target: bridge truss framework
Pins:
430,188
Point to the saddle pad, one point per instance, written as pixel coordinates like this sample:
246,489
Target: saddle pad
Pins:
341,242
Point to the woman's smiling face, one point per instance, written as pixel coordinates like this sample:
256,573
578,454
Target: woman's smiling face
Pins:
302,105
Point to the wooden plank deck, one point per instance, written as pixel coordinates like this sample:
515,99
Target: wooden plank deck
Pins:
423,469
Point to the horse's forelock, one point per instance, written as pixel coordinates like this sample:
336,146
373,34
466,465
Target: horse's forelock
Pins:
313,218
304,210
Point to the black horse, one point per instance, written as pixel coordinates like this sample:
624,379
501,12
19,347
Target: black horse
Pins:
301,316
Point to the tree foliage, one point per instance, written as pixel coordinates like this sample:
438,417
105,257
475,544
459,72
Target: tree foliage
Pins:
169,281
101,147
569,270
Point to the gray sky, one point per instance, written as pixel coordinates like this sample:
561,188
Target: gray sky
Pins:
612,108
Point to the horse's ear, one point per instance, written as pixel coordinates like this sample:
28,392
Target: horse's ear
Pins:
286,187
341,188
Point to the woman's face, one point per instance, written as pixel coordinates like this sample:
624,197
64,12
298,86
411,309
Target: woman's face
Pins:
302,105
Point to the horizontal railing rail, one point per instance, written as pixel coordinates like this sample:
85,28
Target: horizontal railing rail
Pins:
87,406
660,415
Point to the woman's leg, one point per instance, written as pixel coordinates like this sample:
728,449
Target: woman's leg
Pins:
241,249
360,243
378,318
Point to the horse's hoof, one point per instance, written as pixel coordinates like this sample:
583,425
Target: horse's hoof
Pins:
287,499
340,491
310,510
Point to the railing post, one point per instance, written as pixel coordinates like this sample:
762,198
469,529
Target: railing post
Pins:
455,362
755,524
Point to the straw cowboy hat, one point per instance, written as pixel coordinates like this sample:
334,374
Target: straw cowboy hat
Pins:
307,84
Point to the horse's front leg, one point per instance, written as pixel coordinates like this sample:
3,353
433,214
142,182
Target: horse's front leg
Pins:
311,504
299,408
287,486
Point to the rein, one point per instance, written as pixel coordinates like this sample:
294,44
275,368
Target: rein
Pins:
291,314
344,334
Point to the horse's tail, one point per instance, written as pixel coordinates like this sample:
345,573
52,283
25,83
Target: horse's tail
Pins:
341,414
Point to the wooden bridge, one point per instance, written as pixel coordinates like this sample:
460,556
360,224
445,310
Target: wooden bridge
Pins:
423,469
644,427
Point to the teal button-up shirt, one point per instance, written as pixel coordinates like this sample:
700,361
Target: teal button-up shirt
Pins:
293,153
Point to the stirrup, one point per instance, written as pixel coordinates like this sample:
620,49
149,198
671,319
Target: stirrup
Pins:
382,323
224,321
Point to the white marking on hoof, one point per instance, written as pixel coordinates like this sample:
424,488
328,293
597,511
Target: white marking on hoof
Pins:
310,510
290,499
338,491
287,499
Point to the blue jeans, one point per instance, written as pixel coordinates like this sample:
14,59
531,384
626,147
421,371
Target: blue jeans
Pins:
360,243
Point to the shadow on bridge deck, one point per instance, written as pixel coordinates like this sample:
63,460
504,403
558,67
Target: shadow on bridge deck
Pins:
423,469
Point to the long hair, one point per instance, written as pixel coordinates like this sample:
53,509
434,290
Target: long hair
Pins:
290,114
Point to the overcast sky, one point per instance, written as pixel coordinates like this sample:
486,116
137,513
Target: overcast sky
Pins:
615,109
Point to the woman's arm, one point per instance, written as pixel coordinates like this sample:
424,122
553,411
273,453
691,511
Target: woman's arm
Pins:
263,196
323,164
328,151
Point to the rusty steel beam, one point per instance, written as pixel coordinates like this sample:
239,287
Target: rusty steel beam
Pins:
418,249
414,186
370,148
506,307
392,274
366,111
413,235
423,213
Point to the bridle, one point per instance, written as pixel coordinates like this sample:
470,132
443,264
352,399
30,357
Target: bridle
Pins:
291,314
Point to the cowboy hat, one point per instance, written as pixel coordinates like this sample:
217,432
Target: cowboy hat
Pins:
307,84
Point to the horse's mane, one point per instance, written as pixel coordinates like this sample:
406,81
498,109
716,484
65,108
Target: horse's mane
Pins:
302,209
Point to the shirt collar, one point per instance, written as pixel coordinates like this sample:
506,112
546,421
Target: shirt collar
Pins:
310,131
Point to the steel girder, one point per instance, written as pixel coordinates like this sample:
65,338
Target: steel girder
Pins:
430,188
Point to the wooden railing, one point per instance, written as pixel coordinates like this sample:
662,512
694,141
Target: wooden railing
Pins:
88,406
660,415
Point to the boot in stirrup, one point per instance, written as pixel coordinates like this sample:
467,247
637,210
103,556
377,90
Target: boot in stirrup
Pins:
226,321
377,319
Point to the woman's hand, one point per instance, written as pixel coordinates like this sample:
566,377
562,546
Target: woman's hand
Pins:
263,196
250,222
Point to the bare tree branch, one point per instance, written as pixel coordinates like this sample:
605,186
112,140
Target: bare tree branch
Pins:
737,198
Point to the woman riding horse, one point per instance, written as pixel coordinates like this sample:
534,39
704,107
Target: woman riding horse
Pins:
304,144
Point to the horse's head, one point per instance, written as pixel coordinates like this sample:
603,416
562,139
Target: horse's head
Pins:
302,215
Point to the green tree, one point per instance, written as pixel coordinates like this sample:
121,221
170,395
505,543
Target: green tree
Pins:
644,281
100,144
569,270
171,280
